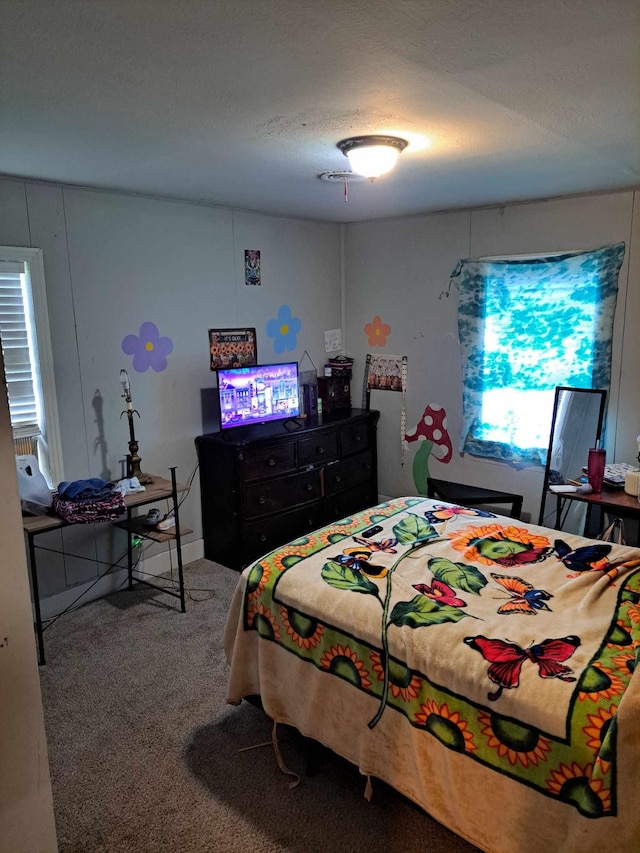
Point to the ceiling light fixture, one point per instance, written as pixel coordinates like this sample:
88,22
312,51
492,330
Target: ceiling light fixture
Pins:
372,156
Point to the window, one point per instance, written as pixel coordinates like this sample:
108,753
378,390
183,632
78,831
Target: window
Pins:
26,348
527,325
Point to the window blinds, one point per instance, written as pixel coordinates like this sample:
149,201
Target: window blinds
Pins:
17,348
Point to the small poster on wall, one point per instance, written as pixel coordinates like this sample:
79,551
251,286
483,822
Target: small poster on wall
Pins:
386,372
252,266
232,348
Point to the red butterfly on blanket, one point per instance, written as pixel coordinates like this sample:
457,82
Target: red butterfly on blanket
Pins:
506,659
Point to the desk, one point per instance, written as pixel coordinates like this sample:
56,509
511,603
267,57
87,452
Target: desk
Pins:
459,493
614,501
160,489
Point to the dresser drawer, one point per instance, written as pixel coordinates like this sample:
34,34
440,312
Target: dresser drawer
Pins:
348,473
269,461
268,533
283,493
347,503
318,450
354,438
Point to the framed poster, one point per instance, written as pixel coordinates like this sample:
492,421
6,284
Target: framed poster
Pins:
252,273
385,372
232,348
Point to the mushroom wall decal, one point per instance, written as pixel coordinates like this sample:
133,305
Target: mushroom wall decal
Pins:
433,430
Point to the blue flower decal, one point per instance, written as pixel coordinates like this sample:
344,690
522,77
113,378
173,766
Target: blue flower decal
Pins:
149,349
284,330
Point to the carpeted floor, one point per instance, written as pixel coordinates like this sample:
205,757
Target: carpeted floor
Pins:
145,753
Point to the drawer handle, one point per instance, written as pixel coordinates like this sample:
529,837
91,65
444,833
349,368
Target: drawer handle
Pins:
320,450
338,478
358,438
309,487
262,499
271,463
263,537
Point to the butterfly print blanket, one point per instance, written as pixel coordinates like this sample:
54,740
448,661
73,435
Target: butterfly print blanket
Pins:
482,666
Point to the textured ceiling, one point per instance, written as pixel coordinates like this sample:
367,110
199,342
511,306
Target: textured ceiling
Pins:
241,102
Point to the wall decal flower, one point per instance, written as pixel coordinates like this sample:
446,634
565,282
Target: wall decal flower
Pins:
148,348
284,330
377,332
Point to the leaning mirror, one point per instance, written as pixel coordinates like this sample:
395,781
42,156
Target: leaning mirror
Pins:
576,425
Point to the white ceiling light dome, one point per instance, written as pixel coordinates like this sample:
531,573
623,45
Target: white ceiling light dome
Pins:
372,156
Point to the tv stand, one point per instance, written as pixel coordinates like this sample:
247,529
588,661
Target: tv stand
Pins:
263,485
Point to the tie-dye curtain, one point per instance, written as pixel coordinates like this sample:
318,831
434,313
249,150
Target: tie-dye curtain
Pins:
527,325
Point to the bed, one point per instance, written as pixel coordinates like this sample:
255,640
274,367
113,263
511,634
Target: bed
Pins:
482,666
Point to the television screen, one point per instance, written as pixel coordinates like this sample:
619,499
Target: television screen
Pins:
256,394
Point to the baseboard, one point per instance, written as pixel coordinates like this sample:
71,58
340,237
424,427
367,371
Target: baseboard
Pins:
157,564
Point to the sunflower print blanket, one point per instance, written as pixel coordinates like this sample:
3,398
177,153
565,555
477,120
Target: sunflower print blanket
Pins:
508,644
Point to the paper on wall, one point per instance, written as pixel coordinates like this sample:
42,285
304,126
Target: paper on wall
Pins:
333,340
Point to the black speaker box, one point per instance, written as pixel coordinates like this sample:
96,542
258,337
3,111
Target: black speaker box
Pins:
310,400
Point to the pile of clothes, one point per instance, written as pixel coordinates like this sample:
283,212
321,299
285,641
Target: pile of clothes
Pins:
88,501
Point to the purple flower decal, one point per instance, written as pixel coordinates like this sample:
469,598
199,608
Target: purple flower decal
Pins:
148,349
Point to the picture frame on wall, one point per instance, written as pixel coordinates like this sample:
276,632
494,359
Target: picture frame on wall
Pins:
232,348
385,372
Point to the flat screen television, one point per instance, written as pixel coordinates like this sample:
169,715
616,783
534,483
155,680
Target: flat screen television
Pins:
258,394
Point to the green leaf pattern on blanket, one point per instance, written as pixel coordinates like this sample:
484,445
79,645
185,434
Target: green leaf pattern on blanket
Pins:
344,577
458,575
414,529
421,611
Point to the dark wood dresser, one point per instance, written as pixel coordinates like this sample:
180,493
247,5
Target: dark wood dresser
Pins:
263,485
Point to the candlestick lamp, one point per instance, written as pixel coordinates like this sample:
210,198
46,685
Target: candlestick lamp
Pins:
133,459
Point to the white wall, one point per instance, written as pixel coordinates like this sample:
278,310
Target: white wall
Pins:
113,261
398,269
26,805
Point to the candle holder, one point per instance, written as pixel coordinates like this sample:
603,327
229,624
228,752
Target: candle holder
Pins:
133,459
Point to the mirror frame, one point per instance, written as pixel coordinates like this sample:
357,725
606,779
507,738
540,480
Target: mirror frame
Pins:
598,436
